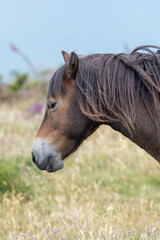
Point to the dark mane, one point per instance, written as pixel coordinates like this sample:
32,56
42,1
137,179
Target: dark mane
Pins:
107,85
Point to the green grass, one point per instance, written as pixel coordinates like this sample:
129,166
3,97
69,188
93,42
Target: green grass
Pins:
109,188
11,179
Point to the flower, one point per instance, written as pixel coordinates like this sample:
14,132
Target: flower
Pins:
36,109
14,48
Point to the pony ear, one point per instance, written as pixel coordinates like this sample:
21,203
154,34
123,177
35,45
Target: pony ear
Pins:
65,56
72,65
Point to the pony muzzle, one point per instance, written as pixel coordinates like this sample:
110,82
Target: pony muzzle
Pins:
45,156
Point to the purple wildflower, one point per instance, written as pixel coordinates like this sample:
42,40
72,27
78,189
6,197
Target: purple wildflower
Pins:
14,48
37,108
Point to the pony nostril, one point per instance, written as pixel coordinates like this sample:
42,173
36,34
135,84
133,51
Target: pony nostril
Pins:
33,158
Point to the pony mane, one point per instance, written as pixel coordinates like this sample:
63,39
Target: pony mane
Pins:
108,85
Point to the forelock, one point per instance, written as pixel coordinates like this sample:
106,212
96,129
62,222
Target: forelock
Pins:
56,86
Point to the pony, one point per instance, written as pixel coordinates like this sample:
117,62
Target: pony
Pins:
119,90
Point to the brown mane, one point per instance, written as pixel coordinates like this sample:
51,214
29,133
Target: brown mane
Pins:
108,85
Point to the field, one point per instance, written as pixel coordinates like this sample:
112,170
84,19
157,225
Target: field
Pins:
108,189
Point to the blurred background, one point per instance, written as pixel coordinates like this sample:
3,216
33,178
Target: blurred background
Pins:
42,29
109,188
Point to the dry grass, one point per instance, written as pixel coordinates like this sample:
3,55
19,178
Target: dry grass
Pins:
109,189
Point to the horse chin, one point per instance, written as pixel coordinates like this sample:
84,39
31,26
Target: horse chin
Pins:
54,164
51,165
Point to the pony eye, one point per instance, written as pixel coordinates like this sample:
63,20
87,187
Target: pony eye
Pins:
52,106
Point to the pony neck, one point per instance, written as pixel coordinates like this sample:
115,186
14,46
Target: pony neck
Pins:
146,134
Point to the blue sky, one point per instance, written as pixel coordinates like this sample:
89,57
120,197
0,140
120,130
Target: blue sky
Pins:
42,28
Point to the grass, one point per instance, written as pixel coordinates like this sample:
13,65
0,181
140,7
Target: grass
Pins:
11,178
109,188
